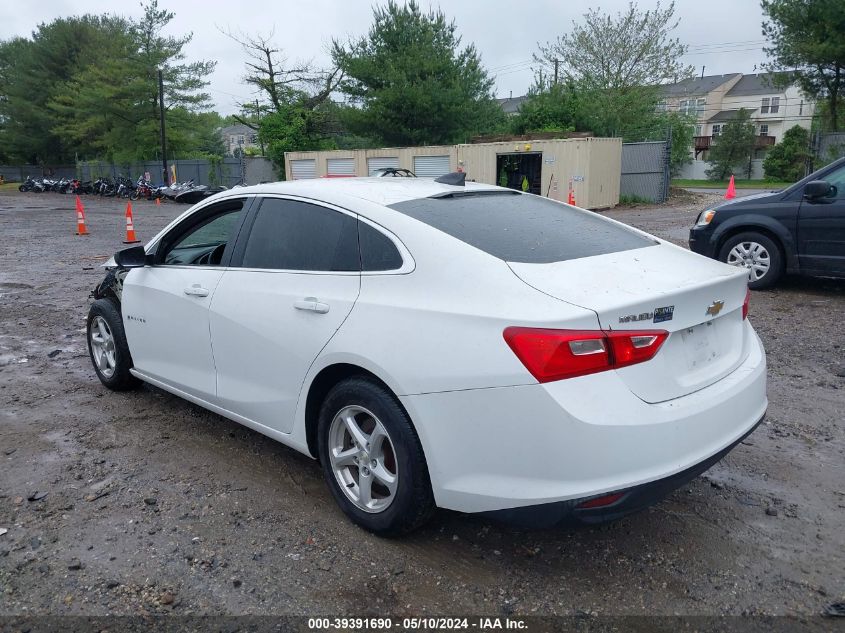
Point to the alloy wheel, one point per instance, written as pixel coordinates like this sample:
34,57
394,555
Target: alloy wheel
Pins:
363,459
102,346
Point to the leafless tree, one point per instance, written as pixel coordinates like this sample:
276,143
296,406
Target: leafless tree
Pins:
280,82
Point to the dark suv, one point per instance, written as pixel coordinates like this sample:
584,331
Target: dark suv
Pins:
800,229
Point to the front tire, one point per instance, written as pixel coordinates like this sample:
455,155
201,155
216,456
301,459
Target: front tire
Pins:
757,253
108,348
372,459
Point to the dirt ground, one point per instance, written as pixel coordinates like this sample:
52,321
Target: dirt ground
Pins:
145,504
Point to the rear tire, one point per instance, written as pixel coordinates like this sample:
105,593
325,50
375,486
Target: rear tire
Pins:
108,348
759,254
362,485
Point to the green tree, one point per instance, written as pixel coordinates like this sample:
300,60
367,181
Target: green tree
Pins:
787,161
618,61
806,40
412,82
111,108
609,70
294,111
552,108
682,129
34,70
733,148
564,107
291,129
86,87
634,48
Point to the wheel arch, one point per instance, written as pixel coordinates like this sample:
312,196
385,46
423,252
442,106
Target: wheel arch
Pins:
323,382
773,230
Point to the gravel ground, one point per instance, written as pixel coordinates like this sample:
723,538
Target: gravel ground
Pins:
141,503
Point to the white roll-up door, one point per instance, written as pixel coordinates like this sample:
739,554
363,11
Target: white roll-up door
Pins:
303,168
431,166
340,166
382,162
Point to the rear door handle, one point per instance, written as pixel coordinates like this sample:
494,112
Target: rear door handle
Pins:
311,304
196,291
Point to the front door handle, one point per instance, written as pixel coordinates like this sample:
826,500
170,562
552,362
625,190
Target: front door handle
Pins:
196,291
311,304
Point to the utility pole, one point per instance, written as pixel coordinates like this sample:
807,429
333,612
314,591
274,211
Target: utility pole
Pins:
258,114
667,165
243,163
557,61
163,141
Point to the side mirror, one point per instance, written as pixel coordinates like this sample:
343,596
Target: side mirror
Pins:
816,189
134,257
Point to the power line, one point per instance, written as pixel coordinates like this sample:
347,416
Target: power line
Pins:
732,50
503,67
696,47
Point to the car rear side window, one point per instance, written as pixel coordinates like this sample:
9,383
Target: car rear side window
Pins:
378,252
522,228
294,235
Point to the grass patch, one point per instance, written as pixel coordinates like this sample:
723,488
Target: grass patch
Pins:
723,184
10,186
630,199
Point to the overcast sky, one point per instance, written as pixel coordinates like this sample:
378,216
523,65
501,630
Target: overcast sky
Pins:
723,35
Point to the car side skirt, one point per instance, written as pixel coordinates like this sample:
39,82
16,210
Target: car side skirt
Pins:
284,438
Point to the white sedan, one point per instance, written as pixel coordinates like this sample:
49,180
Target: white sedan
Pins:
442,345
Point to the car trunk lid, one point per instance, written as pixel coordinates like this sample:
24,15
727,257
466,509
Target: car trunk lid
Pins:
662,287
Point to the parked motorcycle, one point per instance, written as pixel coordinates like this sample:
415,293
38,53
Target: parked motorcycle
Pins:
175,189
196,193
143,189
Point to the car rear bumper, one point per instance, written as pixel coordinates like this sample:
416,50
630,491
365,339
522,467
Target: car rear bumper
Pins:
534,445
624,502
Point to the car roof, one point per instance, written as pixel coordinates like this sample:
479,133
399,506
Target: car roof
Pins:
383,191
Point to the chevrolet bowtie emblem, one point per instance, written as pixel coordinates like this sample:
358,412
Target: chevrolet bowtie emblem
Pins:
715,308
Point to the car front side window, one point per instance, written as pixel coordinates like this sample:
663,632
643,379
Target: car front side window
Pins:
837,180
203,242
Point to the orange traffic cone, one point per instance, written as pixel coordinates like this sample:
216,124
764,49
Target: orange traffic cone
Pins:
730,194
571,198
81,229
130,226
158,202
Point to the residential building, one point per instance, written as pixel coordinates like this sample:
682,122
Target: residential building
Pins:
716,99
238,136
511,105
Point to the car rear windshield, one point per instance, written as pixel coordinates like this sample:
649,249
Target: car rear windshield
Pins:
523,228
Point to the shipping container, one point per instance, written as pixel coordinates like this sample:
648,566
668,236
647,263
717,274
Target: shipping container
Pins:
589,168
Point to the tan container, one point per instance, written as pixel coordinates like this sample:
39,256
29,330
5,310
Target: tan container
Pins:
590,167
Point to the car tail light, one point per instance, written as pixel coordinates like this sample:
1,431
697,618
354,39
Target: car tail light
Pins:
630,348
557,354
745,304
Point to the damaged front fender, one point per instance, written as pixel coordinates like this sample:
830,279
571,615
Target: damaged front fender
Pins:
111,286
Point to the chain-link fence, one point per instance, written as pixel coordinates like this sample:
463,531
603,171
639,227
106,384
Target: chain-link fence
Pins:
227,172
645,171
828,147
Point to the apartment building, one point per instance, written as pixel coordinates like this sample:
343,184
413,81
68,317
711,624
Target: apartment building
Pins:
238,137
716,99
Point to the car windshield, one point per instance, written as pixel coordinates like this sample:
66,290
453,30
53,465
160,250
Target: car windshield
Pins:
523,228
